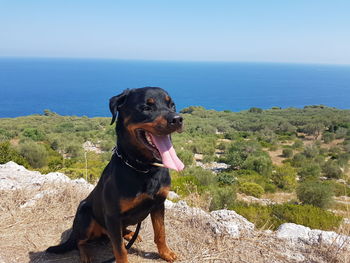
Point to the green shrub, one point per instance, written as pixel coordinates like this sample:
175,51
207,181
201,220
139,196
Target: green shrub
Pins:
298,160
311,151
222,197
298,144
34,153
338,189
184,185
252,189
260,163
271,217
34,134
259,215
270,188
332,170
328,137
255,110
226,178
186,157
285,177
287,153
309,171
203,177
307,215
315,193
8,153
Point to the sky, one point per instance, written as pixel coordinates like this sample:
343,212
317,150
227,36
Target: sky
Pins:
296,31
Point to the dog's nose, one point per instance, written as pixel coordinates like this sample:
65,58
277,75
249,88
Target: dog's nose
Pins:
175,120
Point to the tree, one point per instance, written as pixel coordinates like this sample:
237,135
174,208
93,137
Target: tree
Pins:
255,110
314,129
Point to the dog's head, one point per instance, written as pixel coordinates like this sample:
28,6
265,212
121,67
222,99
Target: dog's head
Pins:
146,118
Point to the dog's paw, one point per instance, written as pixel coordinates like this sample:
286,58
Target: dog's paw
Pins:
168,255
129,236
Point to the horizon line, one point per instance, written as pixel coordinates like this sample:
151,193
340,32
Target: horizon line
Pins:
174,60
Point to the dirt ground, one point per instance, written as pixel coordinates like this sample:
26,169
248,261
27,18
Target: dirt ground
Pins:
26,232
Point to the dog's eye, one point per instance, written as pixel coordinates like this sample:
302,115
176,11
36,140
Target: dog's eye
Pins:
172,106
146,108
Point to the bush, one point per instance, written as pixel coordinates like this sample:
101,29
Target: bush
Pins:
226,178
259,215
311,151
298,144
184,185
339,189
222,197
239,151
332,170
287,153
328,137
285,177
255,110
298,160
204,177
310,170
8,153
271,217
315,193
34,153
252,189
34,134
260,163
186,157
307,215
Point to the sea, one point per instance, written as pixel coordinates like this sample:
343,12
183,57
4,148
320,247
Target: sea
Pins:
83,87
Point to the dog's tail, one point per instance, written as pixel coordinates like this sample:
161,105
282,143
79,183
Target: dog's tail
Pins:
69,245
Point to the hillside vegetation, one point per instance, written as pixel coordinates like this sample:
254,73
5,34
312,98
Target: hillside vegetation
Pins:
272,166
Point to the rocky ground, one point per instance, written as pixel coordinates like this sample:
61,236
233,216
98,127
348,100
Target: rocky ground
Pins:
36,211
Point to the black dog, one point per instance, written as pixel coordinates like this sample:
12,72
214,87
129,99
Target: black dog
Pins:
136,181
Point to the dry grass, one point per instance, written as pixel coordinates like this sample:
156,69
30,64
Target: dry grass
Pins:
27,232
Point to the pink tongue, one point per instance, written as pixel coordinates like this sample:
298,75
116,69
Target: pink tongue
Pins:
167,151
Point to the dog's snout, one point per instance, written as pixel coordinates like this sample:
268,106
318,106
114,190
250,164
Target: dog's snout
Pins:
175,120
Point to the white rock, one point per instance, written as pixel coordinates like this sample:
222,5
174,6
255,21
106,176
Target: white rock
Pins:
173,196
229,222
301,234
220,221
14,176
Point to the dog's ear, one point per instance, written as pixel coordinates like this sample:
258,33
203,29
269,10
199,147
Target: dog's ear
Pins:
116,102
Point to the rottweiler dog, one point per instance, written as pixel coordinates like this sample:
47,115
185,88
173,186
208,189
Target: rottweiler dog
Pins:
136,181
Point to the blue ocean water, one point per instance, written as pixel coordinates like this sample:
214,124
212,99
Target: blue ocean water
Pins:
84,86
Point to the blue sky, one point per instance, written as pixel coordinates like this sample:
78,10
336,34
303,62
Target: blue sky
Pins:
298,31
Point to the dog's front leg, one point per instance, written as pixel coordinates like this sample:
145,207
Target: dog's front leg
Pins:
115,230
157,216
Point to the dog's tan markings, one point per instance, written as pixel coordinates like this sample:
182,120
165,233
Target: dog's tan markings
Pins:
130,203
94,230
167,98
165,253
163,192
126,120
83,252
151,101
121,255
128,234
159,122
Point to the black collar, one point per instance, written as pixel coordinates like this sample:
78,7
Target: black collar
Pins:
125,160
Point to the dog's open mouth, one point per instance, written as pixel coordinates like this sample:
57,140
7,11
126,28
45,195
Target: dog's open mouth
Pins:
162,149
